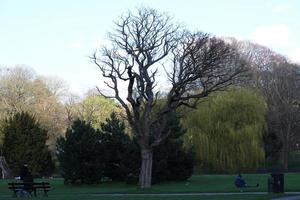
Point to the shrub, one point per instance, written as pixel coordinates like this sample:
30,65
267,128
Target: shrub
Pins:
81,154
122,153
171,161
25,143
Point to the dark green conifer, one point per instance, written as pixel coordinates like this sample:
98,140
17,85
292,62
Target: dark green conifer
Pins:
25,143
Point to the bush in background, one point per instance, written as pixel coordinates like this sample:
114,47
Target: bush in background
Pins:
25,143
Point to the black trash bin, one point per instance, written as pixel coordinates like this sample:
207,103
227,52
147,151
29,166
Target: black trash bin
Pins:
277,183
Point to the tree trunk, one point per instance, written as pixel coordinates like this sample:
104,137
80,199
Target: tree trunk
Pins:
285,161
146,169
285,157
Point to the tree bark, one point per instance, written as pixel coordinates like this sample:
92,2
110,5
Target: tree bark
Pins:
146,169
285,161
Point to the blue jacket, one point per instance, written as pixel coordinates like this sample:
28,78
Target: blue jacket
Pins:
240,182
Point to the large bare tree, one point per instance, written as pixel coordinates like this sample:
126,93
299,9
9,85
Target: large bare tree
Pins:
195,65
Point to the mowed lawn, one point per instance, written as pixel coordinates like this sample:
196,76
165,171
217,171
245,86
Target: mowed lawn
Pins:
197,183
89,197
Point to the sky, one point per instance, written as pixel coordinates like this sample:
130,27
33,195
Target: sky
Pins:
56,37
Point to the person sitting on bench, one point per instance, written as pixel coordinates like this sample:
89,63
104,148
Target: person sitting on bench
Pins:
27,178
23,171
241,183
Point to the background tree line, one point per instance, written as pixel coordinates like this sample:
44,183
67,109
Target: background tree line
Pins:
276,79
50,101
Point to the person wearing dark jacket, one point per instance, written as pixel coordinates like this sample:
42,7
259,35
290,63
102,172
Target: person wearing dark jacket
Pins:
24,172
27,179
241,183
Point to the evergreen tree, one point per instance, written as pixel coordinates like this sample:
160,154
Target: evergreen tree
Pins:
120,149
81,154
171,161
25,143
86,156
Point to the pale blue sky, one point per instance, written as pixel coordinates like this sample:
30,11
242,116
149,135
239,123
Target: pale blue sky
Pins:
55,37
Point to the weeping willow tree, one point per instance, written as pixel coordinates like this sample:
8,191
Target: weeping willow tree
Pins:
226,131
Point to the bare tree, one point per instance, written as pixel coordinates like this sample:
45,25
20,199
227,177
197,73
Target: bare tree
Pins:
199,65
259,59
70,108
278,80
22,90
281,87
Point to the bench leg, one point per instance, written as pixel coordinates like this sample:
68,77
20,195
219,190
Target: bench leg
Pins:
15,193
45,193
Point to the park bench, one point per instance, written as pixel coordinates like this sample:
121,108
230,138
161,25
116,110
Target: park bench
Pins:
28,188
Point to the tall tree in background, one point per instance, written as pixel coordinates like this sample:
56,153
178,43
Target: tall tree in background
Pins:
95,109
278,80
25,143
143,40
227,131
22,90
16,90
281,87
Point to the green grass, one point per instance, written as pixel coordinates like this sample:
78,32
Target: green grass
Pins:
235,197
198,183
294,159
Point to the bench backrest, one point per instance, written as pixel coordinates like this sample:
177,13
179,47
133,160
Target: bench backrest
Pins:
29,185
42,185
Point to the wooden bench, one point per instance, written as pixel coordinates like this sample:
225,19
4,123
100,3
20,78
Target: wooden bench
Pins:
21,188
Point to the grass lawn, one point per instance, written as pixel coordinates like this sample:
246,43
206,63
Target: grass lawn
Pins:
197,183
294,159
235,197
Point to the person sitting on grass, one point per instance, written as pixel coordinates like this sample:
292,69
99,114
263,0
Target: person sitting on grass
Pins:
241,183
